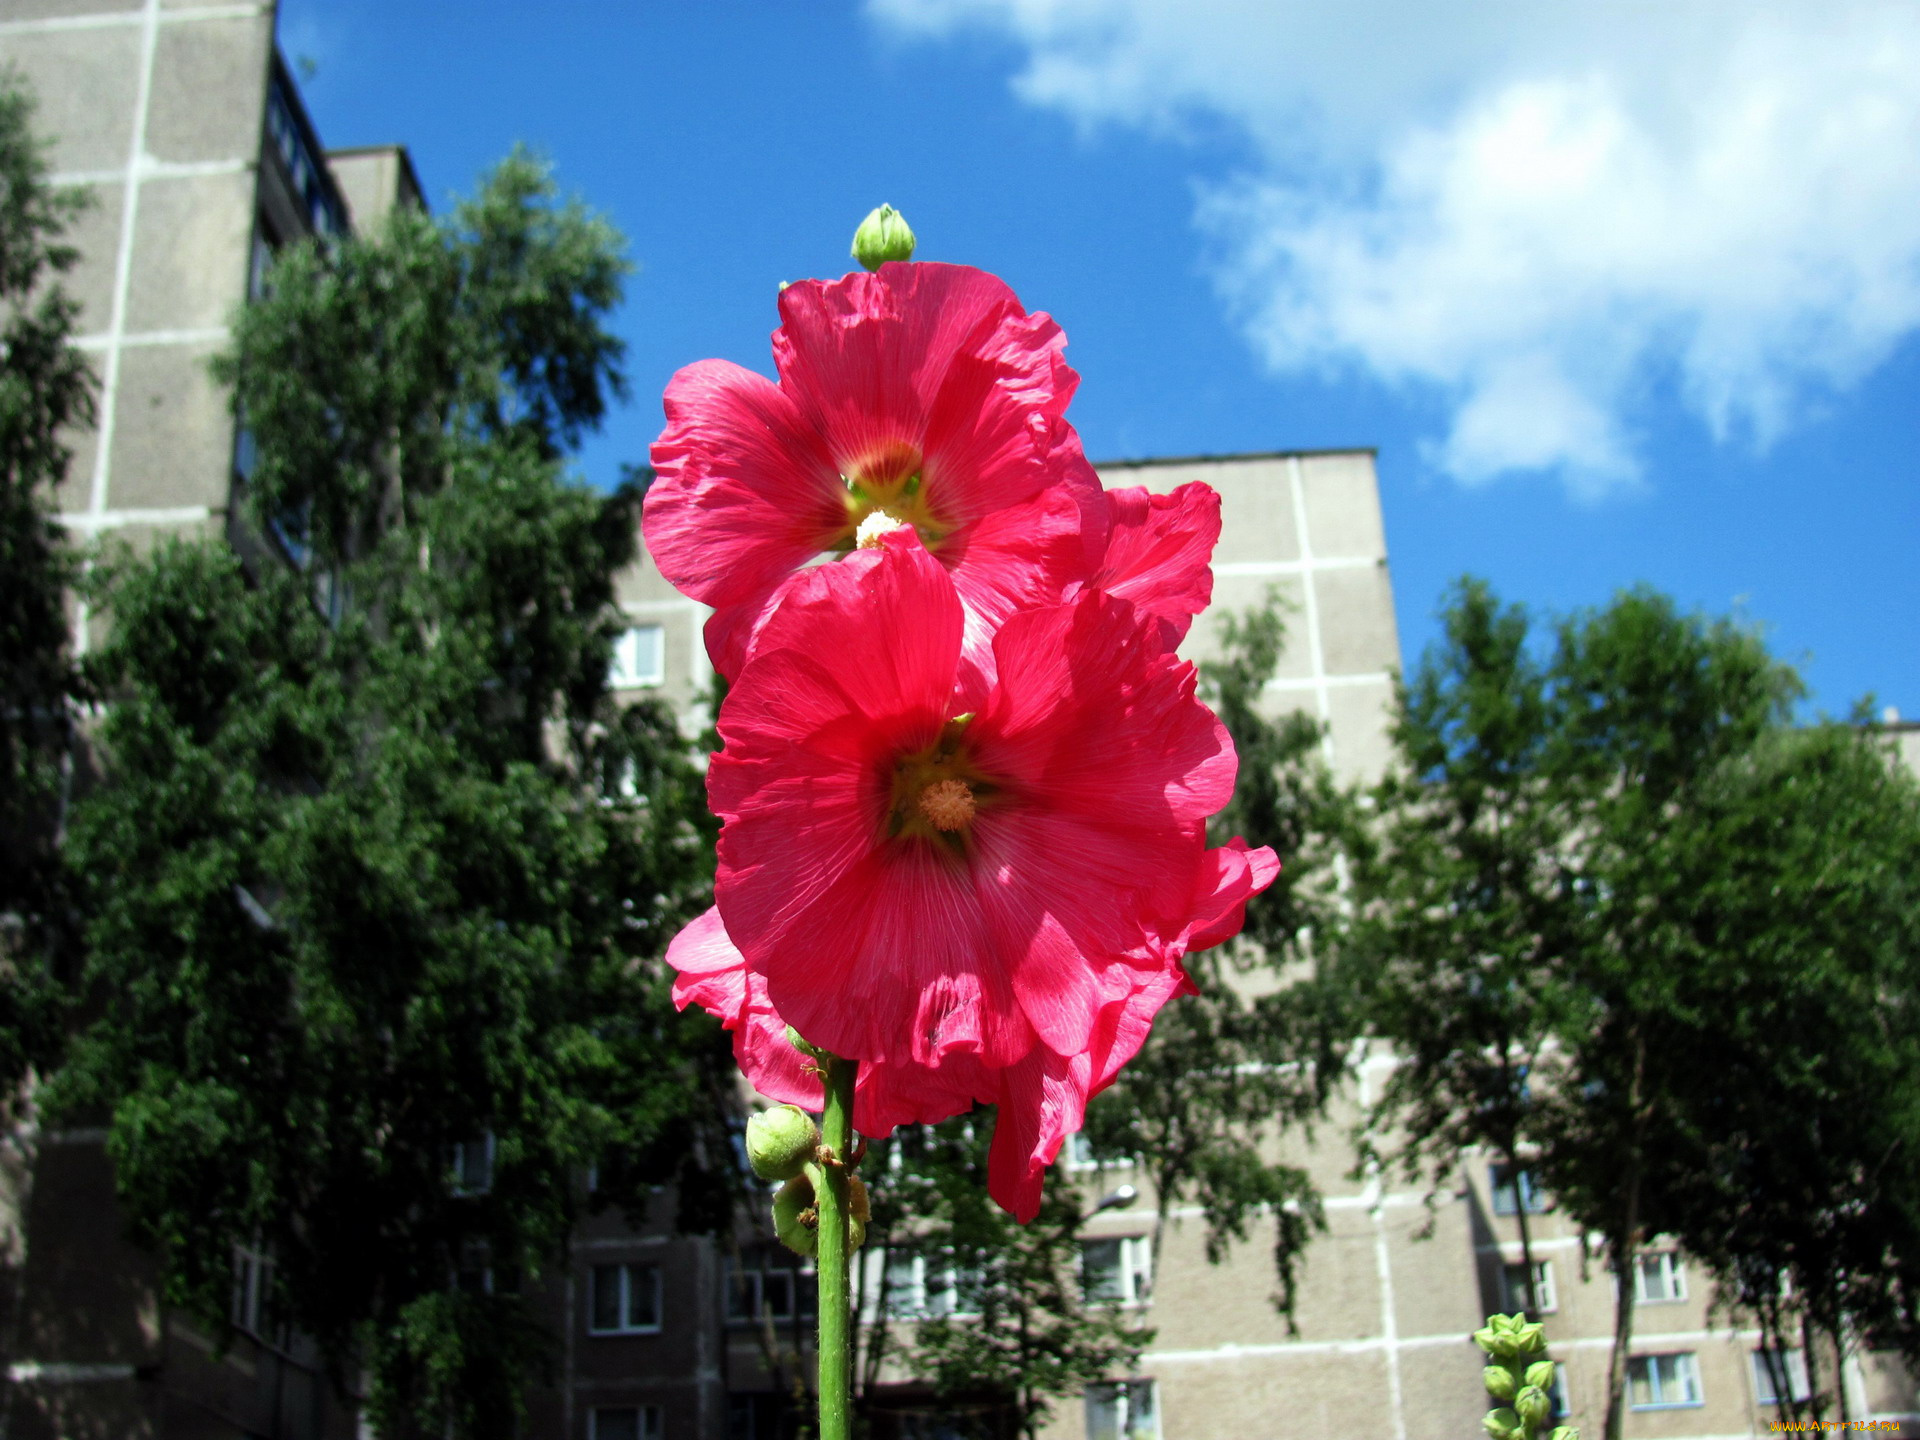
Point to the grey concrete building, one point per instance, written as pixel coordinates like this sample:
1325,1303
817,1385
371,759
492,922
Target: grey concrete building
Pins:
182,124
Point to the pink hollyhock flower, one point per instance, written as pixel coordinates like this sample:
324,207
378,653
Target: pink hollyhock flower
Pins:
978,907
920,394
1159,554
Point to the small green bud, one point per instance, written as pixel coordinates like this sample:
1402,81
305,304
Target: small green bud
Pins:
1540,1373
780,1141
1500,1382
796,1220
1534,1406
1564,1432
882,236
1503,1424
1530,1339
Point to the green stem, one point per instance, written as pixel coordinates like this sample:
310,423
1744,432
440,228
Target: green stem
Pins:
831,1196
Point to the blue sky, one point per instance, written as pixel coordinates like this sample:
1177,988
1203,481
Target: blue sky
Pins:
1607,318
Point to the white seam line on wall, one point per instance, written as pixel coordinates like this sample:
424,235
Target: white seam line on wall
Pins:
1316,653
1307,682
137,338
122,287
126,18
154,170
1305,1349
1375,1192
113,519
1296,567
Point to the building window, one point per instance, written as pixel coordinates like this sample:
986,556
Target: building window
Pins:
625,1422
765,1285
1542,1301
1774,1370
759,1415
625,1300
251,1281
921,1287
639,658
1658,1278
1116,1271
1660,1382
1512,1188
470,1165
1126,1410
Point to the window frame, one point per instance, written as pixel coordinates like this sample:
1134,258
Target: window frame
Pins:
1799,1384
1685,1365
1546,1295
933,1287
1134,1266
1508,1197
457,1172
649,1423
1122,1394
626,1271
626,646
747,1275
1673,1276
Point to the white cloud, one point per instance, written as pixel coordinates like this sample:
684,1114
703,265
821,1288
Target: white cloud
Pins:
1537,211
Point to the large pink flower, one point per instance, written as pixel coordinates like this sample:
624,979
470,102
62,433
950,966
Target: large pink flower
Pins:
924,393
987,906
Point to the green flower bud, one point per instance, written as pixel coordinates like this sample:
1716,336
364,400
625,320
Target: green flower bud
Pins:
1503,1424
795,1217
1540,1373
882,236
1534,1406
780,1141
1500,1382
1530,1339
1564,1432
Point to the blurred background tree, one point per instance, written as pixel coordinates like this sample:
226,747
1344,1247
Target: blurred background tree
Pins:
46,391
382,873
1629,928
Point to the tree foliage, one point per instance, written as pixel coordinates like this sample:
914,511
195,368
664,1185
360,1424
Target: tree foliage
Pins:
383,875
46,390
1627,925
1009,1333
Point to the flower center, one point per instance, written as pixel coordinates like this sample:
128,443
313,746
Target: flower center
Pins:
948,804
938,793
876,525
888,484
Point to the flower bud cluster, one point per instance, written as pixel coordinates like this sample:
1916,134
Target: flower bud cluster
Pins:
796,1213
1519,1379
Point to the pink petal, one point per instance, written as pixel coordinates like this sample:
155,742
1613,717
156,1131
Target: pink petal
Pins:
1233,876
713,975
1160,552
866,356
745,490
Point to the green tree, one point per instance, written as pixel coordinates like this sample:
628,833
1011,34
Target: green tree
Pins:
1794,883
46,389
1649,703
383,874
1261,1044
991,1313
1459,901
1522,922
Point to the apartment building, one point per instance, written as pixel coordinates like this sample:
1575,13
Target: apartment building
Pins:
184,127
187,128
